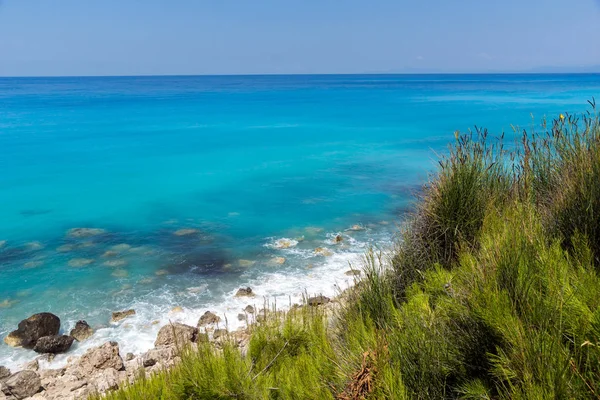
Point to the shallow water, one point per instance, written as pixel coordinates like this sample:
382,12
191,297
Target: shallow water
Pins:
241,161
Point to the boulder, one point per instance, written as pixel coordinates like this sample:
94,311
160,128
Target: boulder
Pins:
4,372
242,292
120,315
31,329
208,318
249,309
129,356
219,333
21,385
338,239
98,358
176,334
54,344
318,300
105,380
81,331
162,355
78,233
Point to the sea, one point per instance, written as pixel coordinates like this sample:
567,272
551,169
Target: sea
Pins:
191,187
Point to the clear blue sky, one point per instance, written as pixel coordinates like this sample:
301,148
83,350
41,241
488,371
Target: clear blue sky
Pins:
137,37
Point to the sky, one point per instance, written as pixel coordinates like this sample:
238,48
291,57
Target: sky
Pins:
177,37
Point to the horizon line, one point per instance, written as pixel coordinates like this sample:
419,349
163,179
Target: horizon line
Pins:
596,72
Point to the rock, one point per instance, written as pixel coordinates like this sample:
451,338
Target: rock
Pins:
31,329
161,272
80,262
208,318
121,315
33,264
4,372
7,303
338,239
176,310
249,309
219,333
318,300
32,365
129,356
106,380
51,374
176,334
110,253
186,232
277,261
65,248
246,263
244,292
322,251
114,263
162,355
356,228
98,358
120,273
241,317
79,233
34,246
2,243
54,344
21,385
352,272
81,331
284,243
121,247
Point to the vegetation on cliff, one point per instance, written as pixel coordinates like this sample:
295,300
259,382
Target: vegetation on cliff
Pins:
491,293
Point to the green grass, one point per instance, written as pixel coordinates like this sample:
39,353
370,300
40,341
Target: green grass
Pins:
491,293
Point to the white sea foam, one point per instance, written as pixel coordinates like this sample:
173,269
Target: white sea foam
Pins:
280,286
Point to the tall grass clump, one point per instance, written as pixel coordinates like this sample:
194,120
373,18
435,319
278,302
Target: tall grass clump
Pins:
452,206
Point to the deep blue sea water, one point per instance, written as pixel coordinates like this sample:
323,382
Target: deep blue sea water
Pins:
244,161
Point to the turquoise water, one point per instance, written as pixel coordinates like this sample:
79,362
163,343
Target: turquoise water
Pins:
243,161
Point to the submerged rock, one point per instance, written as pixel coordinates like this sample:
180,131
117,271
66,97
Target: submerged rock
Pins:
31,329
65,248
110,253
54,344
80,262
81,331
114,263
318,300
186,232
120,273
33,264
176,334
34,246
2,243
79,233
8,303
21,385
284,243
323,251
121,247
121,315
244,292
246,263
161,272
208,318
356,228
277,261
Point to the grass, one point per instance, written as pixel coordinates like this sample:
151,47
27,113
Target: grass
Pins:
491,293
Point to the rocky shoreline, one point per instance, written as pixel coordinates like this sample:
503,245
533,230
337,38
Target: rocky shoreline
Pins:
104,368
